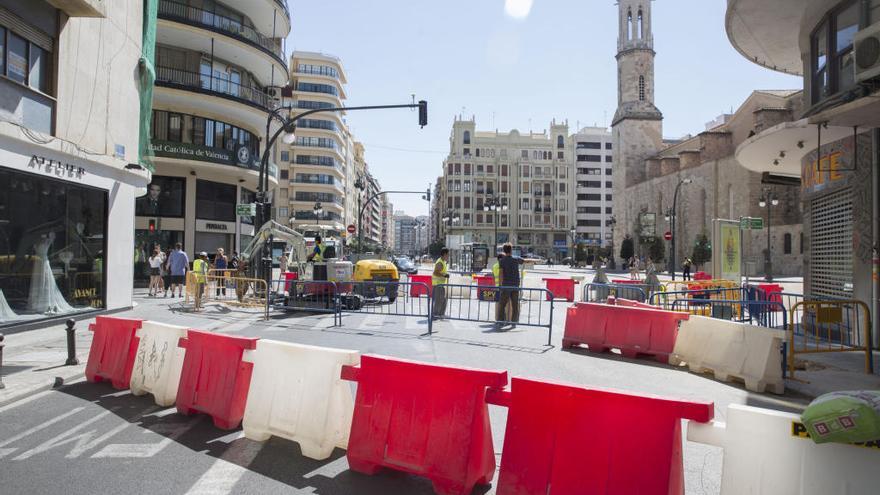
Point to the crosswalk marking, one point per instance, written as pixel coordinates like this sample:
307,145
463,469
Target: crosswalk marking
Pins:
31,431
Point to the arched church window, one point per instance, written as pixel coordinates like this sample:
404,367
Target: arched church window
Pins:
560,142
629,25
641,31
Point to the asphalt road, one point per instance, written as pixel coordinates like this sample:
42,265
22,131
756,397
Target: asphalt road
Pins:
88,438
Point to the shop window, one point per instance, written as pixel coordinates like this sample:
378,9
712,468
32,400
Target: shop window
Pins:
215,201
51,249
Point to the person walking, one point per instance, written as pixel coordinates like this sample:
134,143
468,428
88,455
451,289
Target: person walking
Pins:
156,260
439,278
510,277
220,265
634,268
200,272
165,272
178,264
686,269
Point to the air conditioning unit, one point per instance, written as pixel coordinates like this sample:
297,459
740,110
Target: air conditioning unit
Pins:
867,48
274,93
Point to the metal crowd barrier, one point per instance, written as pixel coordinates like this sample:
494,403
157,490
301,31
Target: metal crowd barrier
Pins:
477,304
390,298
666,300
312,296
830,326
241,291
600,292
770,314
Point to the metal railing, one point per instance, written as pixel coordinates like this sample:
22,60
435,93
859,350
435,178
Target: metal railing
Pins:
206,83
239,291
530,307
601,292
768,314
830,326
233,28
390,298
310,296
666,300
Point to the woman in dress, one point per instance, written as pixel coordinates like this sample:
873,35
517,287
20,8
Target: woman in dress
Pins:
44,296
156,260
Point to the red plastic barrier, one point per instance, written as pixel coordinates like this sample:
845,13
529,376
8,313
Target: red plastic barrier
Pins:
214,379
491,292
772,293
416,290
424,419
113,350
579,440
702,276
626,281
633,304
632,330
561,288
288,277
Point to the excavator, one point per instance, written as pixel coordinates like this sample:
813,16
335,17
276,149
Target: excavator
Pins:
332,269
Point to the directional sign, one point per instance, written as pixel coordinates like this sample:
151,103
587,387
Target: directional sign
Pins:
351,229
757,223
246,209
753,223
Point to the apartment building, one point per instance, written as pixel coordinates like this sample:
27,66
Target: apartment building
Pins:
518,184
323,146
220,67
593,155
70,166
389,234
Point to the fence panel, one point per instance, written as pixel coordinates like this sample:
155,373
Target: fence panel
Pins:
386,297
768,314
600,292
231,290
478,304
830,326
312,296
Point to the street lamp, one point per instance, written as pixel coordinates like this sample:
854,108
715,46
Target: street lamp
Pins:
671,215
494,205
573,233
318,211
766,196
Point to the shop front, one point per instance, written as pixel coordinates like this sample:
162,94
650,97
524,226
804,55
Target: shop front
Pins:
57,214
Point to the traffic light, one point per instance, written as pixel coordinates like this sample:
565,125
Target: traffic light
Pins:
423,113
152,226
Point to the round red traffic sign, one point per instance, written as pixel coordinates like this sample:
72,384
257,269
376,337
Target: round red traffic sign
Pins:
668,236
351,229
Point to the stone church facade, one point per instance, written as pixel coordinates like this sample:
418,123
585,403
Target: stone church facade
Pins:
647,168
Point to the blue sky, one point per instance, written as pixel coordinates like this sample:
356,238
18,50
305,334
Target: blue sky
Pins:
470,57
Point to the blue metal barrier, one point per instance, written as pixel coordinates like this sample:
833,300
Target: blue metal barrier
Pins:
755,312
384,297
311,296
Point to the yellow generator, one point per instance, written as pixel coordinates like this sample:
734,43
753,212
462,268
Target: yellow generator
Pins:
366,271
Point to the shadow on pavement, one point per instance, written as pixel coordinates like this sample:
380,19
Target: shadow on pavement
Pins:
277,458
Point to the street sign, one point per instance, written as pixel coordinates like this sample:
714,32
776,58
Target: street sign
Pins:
667,236
351,229
246,209
753,223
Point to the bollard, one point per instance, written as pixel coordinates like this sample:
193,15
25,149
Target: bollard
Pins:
71,344
1,362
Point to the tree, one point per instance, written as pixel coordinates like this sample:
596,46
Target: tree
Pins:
434,248
702,252
626,248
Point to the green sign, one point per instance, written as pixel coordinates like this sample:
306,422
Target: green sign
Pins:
246,210
746,223
240,157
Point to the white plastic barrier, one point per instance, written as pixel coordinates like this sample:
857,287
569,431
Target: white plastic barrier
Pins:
768,452
296,393
730,349
158,362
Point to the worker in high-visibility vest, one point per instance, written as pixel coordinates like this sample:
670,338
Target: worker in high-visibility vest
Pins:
200,272
318,253
439,278
496,269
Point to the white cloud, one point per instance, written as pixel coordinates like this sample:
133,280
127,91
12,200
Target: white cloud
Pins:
518,9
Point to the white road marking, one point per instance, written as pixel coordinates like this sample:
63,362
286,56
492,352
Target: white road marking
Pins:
24,401
163,412
228,438
31,431
118,394
62,439
226,471
145,450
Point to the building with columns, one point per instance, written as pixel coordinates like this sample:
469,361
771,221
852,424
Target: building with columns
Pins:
647,169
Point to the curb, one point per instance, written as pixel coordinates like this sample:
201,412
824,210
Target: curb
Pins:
57,381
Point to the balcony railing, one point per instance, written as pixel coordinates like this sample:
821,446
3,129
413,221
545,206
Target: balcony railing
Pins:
204,83
195,16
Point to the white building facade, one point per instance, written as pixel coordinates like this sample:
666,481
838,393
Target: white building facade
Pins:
69,162
594,155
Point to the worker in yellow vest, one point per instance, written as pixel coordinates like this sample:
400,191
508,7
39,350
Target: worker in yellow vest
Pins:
439,278
318,253
496,269
200,272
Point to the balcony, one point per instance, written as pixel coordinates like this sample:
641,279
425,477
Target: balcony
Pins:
205,84
193,16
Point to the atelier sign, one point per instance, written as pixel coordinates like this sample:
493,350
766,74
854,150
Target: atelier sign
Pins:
56,167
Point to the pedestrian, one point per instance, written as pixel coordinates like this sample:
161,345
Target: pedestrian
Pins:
317,255
220,265
234,261
634,268
439,278
178,263
686,268
282,263
200,273
510,278
156,260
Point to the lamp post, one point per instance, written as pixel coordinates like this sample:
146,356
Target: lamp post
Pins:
494,205
671,215
573,233
318,211
767,200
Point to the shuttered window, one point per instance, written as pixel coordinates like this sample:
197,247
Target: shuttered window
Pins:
831,245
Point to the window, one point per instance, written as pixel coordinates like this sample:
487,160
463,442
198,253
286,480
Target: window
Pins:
608,183
467,186
467,137
560,142
832,57
490,169
449,169
641,88
467,168
320,70
589,197
589,158
479,218
467,152
524,188
285,156
478,152
525,154
786,243
608,171
2,50
324,161
503,187
457,169
589,209
589,145
317,88
504,170
215,201
38,78
457,202
467,203
456,186
525,169
285,174
562,187
608,159
607,197
16,58
607,146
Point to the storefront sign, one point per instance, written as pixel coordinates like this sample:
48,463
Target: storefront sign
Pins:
214,226
241,157
56,167
827,170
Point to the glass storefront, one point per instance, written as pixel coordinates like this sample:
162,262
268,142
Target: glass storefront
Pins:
144,242
52,244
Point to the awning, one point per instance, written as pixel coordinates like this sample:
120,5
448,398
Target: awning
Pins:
780,148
